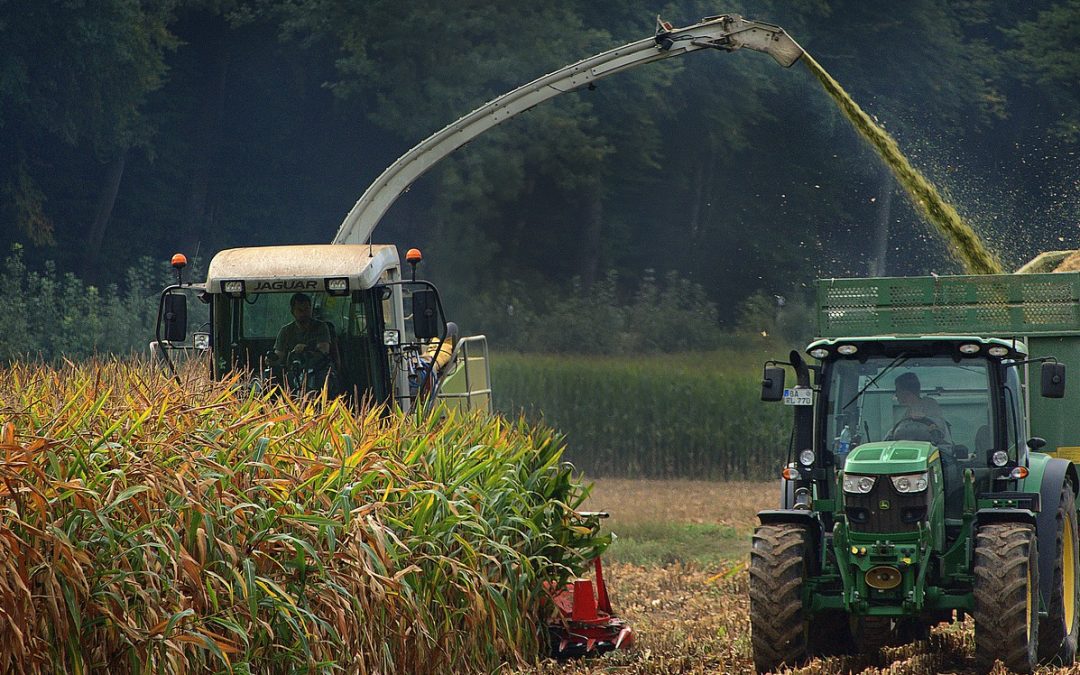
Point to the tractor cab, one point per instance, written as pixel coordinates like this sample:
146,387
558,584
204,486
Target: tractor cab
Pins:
328,317
920,413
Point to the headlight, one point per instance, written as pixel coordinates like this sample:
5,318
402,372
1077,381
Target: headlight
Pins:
998,351
915,482
819,353
806,457
201,341
391,337
847,350
969,348
1000,458
858,485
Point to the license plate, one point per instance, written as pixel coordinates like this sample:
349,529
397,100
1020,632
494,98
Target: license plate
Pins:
799,396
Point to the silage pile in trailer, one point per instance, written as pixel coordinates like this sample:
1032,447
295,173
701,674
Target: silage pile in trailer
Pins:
147,526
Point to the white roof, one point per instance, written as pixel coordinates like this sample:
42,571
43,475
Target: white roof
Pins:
259,267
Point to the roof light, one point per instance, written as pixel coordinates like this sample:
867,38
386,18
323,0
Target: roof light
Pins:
998,350
847,350
233,288
970,348
179,261
337,286
819,353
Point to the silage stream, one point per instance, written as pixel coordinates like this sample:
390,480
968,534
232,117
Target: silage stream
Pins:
963,242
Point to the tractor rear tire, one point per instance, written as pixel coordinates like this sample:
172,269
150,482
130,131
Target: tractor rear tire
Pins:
1058,631
778,623
1006,596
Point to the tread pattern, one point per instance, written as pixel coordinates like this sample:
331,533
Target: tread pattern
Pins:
1006,560
778,630
1057,642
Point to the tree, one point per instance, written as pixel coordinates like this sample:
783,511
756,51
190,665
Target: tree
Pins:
77,73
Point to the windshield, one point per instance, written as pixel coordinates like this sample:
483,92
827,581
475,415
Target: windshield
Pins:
919,398
338,337
264,314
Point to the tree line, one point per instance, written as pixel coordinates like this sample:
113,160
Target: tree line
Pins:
133,128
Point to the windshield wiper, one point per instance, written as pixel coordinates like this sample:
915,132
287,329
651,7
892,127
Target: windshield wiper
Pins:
892,364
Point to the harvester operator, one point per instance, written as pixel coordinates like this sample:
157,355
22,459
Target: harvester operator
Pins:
304,333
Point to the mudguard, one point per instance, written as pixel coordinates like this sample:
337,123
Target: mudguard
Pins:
1053,477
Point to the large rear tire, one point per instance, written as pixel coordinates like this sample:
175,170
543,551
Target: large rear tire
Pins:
778,622
1058,631
1006,596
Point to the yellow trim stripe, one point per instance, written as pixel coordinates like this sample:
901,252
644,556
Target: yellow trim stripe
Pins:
933,455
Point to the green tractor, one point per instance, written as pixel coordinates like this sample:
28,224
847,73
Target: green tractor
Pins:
926,480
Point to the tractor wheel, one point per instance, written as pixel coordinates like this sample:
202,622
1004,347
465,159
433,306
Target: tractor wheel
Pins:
1058,631
778,623
873,632
1006,596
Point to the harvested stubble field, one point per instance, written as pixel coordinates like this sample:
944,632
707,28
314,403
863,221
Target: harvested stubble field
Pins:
693,617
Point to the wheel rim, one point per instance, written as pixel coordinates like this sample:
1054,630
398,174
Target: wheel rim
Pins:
1068,572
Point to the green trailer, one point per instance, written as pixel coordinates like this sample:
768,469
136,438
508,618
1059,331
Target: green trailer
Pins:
930,472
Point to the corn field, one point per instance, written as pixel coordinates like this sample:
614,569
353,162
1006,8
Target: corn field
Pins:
154,526
679,416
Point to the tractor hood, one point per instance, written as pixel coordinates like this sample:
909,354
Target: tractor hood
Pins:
891,457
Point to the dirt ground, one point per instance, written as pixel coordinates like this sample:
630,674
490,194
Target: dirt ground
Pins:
695,619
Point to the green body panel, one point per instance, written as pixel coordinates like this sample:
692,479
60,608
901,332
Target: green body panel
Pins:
883,458
1002,305
1047,418
1036,467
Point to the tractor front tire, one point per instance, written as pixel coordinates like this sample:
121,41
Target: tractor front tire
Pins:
1058,631
1006,596
778,622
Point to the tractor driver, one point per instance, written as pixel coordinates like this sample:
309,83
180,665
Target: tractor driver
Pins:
305,333
921,412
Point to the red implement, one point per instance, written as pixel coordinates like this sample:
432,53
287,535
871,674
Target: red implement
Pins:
583,623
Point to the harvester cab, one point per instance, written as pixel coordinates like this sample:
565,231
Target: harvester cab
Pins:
918,486
334,317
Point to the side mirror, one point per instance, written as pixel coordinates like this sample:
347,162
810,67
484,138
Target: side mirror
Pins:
175,317
772,384
1053,380
1035,443
425,312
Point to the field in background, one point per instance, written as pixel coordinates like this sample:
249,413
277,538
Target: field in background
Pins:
660,522
657,416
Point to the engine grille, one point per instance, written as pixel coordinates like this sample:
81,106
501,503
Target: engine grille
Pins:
883,509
